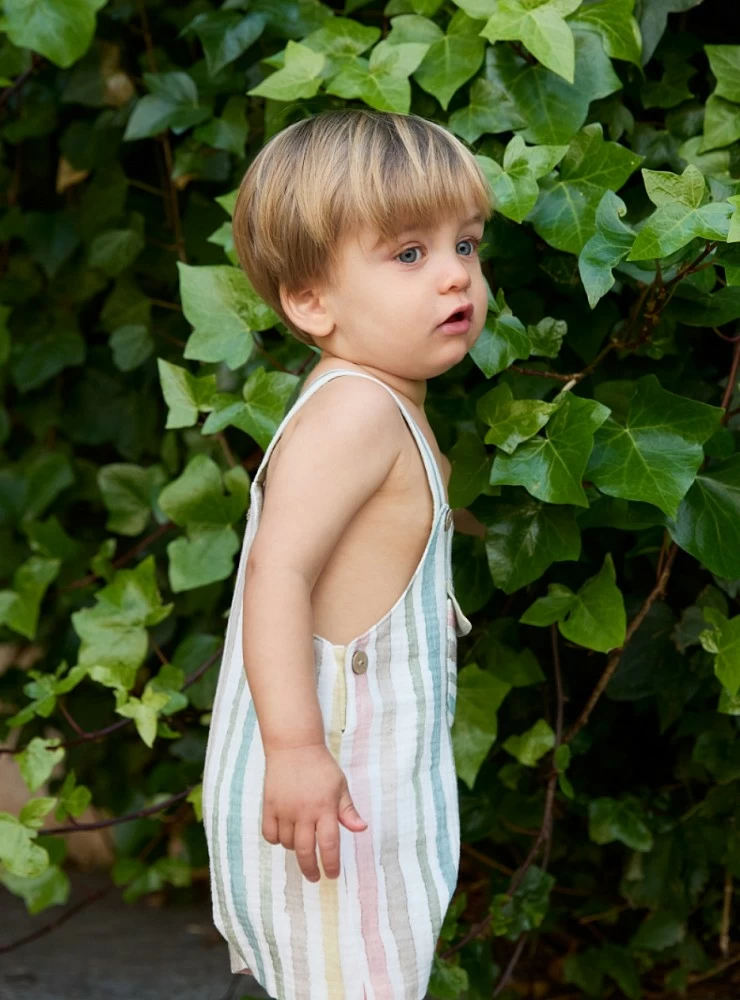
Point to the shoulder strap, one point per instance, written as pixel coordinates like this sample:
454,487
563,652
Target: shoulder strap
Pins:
430,463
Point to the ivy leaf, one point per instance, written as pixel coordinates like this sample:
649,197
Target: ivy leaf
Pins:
113,633
73,798
553,109
622,820
551,468
541,28
225,35
50,888
341,40
264,398
129,492
609,245
144,711
196,497
514,184
131,345
20,607
532,745
619,30
43,689
526,909
228,132
722,109
447,981
714,309
587,969
550,609
546,337
524,539
658,931
451,59
655,455
503,339
195,500
565,214
594,617
114,250
672,88
300,76
19,855
510,420
471,468
173,103
479,697
204,557
680,215
34,810
61,30
382,80
38,759
224,309
707,524
726,643
185,394
725,63
489,109
597,618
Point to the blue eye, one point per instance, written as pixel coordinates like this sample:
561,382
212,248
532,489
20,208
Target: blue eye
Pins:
407,250
473,244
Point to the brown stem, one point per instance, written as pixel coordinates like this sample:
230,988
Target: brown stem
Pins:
7,93
535,371
91,897
99,734
657,591
116,820
228,454
122,560
544,835
730,340
726,399
65,712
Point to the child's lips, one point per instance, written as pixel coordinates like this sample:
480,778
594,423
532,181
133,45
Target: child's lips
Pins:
458,321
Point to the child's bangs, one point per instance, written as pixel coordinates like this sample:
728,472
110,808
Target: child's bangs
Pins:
409,178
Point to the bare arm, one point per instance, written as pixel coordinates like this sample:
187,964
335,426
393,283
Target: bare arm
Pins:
343,446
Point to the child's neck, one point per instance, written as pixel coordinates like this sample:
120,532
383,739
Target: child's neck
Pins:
412,390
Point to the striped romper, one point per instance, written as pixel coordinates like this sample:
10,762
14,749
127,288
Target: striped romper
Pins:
388,701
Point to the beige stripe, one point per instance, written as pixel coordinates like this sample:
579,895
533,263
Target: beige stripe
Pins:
329,887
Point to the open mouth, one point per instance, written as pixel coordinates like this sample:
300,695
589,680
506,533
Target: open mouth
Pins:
460,314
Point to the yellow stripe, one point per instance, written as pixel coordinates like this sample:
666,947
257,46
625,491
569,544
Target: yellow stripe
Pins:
329,887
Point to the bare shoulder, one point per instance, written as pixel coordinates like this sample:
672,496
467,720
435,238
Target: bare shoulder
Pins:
335,453
346,413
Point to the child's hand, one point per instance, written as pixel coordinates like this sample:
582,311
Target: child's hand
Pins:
305,796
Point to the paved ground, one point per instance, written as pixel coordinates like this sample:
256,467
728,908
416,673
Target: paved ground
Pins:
112,950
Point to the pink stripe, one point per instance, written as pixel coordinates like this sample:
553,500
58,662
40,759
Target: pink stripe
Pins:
364,857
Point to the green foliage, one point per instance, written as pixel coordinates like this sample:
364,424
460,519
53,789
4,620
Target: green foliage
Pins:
593,432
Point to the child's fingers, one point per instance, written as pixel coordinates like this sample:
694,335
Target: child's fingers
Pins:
305,850
270,827
327,834
286,832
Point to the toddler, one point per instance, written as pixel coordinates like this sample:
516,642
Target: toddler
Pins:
329,791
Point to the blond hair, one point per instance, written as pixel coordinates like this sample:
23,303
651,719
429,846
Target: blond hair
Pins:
328,175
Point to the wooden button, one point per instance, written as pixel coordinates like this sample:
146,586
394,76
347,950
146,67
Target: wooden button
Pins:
359,661
448,519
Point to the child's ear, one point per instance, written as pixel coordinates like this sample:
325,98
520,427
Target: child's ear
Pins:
308,310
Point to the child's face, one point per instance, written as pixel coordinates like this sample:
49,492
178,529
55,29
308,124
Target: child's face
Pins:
389,299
